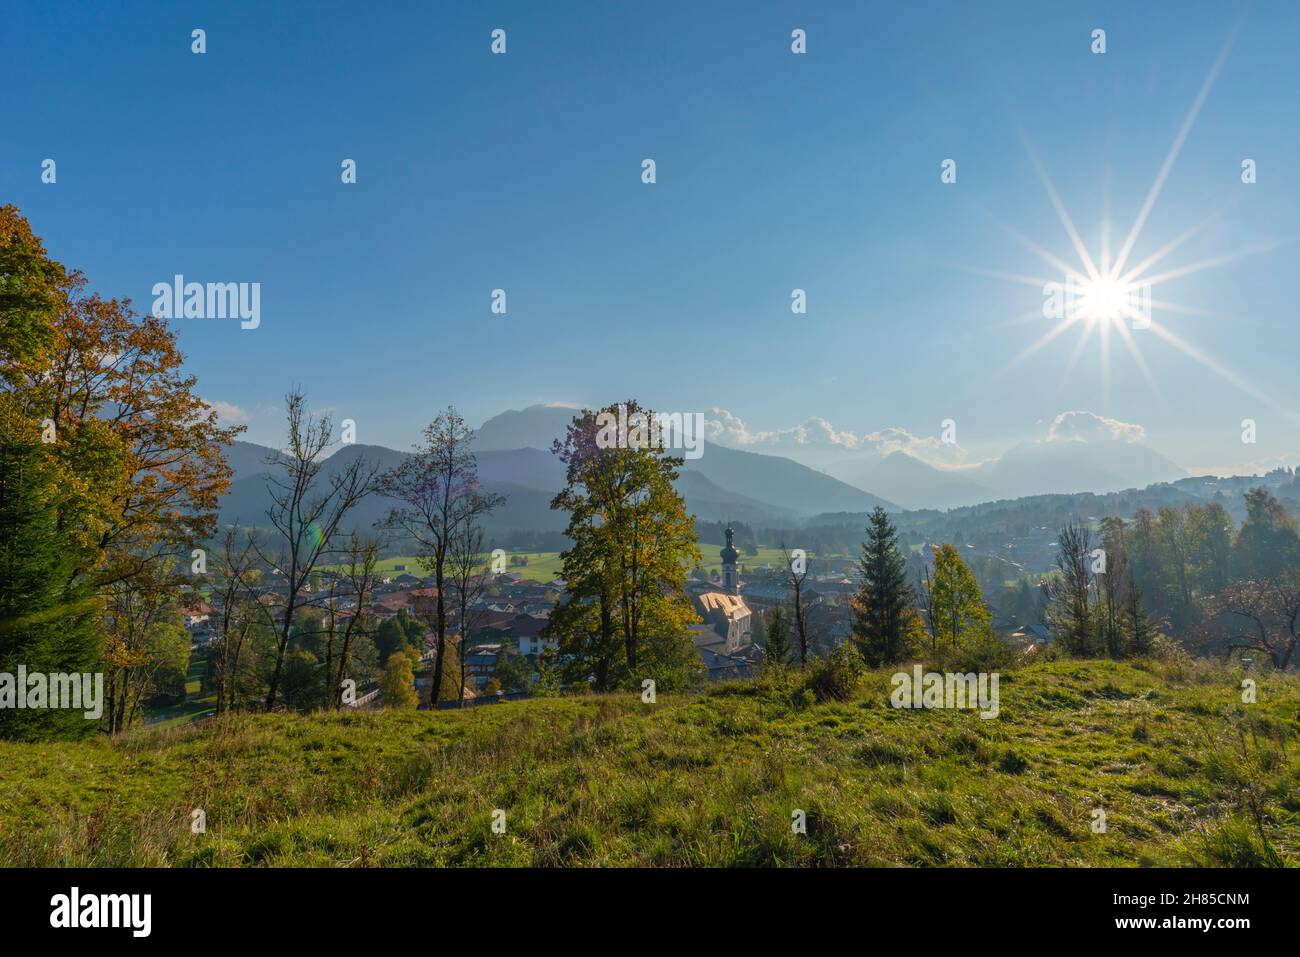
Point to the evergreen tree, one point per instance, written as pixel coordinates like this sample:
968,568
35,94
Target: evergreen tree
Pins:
49,616
1138,623
399,633
778,647
880,625
1070,611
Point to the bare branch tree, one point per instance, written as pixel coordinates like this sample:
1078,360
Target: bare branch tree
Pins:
1261,615
439,491
234,609
360,574
466,565
796,572
307,518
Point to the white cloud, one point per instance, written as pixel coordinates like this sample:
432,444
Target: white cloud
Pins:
817,435
728,429
1089,427
928,448
227,412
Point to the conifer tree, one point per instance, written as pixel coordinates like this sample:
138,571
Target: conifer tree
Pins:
49,616
778,647
880,620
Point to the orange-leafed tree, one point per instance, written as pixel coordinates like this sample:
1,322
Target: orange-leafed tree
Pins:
139,455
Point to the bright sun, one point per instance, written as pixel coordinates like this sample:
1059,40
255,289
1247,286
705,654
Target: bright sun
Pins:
1105,300
1107,297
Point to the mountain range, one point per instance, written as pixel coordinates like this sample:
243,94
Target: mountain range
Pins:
514,460
1030,468
730,484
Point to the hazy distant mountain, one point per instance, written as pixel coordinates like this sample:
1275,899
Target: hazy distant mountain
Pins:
514,456
514,459
247,459
905,479
248,498
527,467
780,482
535,427
712,503
1031,468
1037,468
747,480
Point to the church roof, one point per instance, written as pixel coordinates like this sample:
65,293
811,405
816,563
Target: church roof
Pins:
730,605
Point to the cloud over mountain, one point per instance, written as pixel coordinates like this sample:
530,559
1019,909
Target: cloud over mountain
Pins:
1081,426
816,437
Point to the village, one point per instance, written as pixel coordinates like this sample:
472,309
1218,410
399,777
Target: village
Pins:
508,617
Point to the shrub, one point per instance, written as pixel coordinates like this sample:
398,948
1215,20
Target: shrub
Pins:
986,655
834,677
1164,648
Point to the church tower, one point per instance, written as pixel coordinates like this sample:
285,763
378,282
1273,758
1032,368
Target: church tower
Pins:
730,582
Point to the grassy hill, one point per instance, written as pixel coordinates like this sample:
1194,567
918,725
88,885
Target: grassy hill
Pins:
1185,773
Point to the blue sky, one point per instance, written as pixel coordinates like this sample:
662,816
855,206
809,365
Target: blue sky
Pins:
775,172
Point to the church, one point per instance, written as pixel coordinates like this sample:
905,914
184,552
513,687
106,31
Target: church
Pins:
728,623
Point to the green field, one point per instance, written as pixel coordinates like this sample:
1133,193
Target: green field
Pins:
544,566
1185,773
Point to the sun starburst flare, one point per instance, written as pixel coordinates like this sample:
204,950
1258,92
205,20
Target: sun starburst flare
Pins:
1105,296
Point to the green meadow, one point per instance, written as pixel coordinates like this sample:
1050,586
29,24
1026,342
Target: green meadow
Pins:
1183,771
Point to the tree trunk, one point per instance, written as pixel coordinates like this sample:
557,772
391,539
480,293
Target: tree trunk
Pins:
441,631
281,646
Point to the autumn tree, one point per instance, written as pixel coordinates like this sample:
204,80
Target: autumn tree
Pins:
397,686
956,605
136,456
145,637
633,543
31,285
133,435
